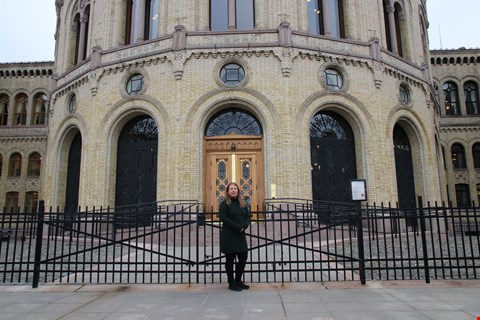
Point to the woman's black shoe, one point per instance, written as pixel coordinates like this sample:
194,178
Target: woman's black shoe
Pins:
234,287
242,285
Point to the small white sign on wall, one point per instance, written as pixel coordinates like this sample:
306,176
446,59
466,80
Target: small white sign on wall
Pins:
359,190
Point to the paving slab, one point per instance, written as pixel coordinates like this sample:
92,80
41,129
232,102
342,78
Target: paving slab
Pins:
452,300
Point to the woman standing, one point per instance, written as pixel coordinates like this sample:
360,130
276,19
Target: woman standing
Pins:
235,220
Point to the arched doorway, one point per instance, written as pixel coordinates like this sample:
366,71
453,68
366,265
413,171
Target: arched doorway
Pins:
333,164
233,152
73,174
404,173
136,177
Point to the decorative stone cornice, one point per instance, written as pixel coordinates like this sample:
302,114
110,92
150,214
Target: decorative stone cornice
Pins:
459,129
23,139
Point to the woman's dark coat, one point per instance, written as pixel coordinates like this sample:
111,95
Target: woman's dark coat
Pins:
234,218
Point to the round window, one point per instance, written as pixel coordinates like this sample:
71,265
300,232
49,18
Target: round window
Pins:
232,74
333,79
72,104
404,95
135,84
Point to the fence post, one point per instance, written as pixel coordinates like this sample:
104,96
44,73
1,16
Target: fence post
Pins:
423,230
38,244
361,251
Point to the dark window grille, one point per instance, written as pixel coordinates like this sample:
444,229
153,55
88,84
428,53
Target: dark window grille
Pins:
233,121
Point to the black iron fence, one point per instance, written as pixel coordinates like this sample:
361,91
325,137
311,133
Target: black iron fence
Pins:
289,241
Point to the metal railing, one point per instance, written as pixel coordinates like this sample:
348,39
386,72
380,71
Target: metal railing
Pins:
290,240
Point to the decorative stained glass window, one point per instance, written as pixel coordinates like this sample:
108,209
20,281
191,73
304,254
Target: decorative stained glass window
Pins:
233,121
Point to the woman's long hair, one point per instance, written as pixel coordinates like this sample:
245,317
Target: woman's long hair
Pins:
228,199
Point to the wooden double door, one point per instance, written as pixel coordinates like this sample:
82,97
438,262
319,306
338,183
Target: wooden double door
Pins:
233,158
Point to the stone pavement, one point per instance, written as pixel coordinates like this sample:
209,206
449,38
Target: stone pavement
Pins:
392,300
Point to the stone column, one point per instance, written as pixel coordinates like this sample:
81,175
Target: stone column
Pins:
326,18
139,20
81,42
232,21
393,33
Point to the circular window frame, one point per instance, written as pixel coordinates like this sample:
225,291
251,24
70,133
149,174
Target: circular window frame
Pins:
126,79
408,92
218,69
69,109
341,71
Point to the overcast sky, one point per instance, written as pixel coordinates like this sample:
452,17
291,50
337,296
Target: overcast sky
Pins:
29,36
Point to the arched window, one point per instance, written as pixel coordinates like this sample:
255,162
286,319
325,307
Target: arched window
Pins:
11,202
476,155
404,95
39,109
450,92
392,16
31,201
21,102
232,74
478,194
325,17
240,16
462,193
471,97
233,121
3,109
142,20
15,165
34,164
81,20
458,156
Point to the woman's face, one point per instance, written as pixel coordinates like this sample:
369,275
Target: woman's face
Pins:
233,191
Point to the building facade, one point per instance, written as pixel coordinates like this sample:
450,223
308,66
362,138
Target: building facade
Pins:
456,79
151,100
